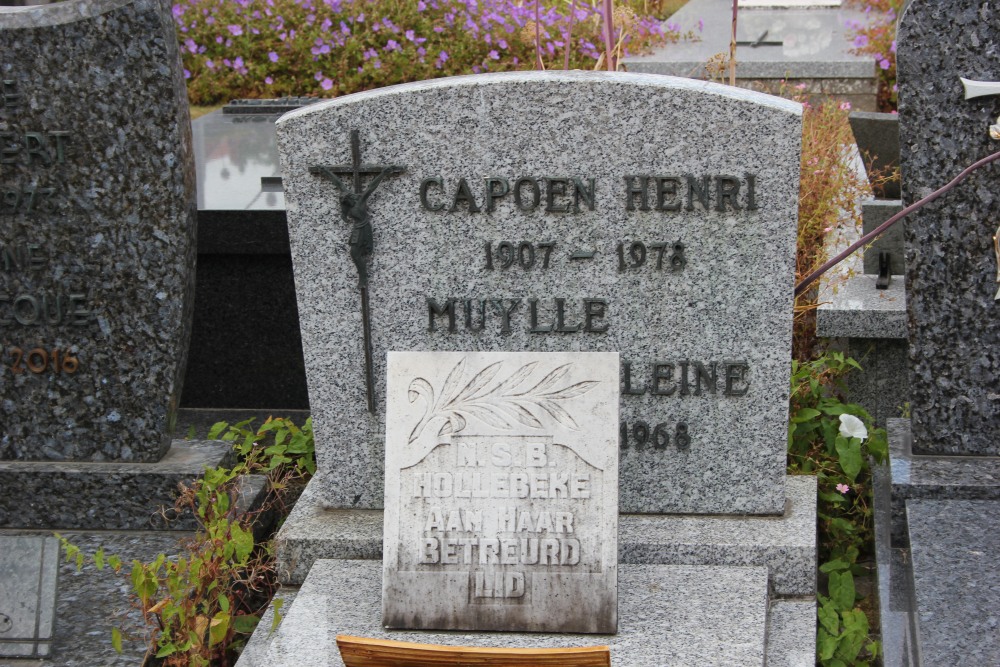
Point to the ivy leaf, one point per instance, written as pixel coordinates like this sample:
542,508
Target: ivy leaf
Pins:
849,453
826,644
116,640
242,540
842,589
829,619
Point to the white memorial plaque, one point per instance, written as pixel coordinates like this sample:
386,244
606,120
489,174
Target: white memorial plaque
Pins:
501,501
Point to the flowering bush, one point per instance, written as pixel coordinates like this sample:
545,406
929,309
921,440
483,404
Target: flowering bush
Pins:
878,39
275,48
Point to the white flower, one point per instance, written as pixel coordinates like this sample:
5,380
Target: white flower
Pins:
852,427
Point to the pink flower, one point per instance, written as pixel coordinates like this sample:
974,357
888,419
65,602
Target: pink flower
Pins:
845,106
235,30
326,84
843,488
884,63
273,57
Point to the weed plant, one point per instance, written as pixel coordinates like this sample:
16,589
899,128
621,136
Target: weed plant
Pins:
275,48
877,38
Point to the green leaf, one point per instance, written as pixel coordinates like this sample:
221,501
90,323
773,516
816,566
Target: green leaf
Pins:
245,624
191,432
242,540
277,604
218,628
854,635
850,459
168,649
99,558
224,603
834,566
841,586
805,414
828,618
217,428
826,644
116,640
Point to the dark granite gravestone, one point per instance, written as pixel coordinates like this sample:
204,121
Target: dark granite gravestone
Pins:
96,266
951,260
96,231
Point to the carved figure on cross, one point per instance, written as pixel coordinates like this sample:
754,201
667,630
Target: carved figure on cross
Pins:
354,203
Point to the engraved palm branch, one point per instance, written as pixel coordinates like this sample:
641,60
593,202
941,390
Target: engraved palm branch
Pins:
502,406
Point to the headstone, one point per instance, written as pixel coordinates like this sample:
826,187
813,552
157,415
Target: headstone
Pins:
96,231
951,255
566,211
29,568
501,508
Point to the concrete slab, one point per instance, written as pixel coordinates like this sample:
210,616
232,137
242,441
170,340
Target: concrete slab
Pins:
105,496
722,620
955,545
786,544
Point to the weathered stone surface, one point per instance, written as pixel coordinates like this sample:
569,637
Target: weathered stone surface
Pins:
29,569
501,503
670,615
951,263
96,230
720,306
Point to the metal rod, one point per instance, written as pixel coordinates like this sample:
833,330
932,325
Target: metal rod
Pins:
812,277
369,373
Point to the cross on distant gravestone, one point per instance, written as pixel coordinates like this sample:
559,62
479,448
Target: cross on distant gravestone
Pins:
951,256
96,230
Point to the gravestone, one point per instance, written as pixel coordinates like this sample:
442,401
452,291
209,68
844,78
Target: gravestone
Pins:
936,504
490,213
501,491
96,231
29,569
97,249
951,260
558,214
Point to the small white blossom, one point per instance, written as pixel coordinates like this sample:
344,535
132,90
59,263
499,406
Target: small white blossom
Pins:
852,427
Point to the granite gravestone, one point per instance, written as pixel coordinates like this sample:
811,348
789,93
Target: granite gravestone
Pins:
96,230
952,260
501,508
646,215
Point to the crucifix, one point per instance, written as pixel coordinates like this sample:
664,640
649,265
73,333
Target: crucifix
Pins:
354,210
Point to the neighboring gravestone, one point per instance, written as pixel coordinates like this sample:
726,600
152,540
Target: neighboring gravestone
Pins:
96,230
646,215
951,255
29,568
501,508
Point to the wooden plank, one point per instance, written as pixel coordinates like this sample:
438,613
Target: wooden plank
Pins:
365,652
